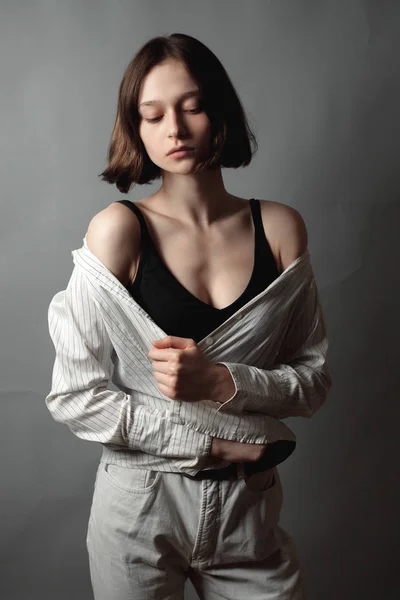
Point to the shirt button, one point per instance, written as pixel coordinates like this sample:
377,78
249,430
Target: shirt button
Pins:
209,340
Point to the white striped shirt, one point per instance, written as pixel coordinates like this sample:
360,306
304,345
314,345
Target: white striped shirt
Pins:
275,347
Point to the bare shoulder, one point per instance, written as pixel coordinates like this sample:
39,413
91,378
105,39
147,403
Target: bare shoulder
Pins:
113,235
288,230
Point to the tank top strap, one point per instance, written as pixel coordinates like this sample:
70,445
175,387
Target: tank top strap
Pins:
264,255
257,220
146,243
261,243
135,209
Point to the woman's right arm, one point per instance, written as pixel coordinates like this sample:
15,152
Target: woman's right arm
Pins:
83,367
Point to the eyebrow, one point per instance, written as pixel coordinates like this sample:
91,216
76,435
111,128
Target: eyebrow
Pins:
185,95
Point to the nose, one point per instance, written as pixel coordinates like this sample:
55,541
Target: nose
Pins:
176,125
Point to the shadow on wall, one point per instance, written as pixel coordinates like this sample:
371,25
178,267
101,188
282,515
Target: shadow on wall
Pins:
342,486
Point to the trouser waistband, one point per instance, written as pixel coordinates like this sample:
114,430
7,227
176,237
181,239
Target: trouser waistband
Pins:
232,471
274,454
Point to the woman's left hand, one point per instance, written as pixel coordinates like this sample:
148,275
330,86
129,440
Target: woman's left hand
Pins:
182,370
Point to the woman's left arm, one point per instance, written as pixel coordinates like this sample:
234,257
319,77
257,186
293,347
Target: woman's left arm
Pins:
299,381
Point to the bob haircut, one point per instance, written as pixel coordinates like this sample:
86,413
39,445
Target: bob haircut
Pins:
128,161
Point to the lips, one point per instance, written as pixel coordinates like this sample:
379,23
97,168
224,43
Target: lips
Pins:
180,149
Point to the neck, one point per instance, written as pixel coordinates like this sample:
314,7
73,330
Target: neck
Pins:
198,199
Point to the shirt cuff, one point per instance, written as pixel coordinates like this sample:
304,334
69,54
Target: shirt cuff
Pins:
235,404
157,434
198,444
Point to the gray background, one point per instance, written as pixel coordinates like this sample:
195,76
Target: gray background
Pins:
320,83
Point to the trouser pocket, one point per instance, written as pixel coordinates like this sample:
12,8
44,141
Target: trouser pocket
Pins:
123,502
129,479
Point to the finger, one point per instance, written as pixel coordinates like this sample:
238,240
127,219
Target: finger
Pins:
166,391
165,367
165,379
166,386
173,341
164,354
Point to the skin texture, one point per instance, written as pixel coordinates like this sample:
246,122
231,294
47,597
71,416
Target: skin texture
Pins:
204,235
176,121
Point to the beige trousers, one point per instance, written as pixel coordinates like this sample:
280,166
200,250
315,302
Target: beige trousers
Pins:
149,531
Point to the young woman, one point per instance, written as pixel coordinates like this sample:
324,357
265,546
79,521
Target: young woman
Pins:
187,486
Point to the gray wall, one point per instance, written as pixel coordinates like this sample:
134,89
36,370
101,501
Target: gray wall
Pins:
320,83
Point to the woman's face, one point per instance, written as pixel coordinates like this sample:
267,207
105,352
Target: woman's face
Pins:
173,118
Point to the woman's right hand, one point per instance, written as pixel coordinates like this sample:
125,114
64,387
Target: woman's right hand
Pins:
236,451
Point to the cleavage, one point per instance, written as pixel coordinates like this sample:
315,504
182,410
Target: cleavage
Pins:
217,276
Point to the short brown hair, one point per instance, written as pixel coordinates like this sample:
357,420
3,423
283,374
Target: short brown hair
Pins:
128,161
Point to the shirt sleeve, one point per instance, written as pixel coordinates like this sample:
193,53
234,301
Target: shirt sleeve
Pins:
300,379
79,396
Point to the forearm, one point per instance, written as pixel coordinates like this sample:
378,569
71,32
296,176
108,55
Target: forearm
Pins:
282,392
110,417
299,380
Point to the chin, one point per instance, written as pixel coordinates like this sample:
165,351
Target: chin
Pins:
180,166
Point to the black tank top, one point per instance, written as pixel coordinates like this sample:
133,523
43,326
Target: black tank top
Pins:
176,310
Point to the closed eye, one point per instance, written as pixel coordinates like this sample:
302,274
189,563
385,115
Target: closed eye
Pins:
192,111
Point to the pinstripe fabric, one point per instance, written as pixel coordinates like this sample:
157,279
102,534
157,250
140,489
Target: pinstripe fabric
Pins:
275,347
